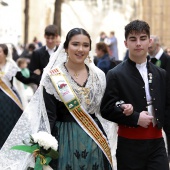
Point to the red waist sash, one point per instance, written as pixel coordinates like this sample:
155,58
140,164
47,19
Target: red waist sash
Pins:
140,132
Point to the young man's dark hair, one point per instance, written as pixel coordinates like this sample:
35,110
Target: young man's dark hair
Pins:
137,26
31,47
51,30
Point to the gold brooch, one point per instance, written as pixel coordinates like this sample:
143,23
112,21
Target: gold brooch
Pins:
85,91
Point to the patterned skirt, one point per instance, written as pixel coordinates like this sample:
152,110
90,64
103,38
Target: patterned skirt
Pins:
9,115
77,151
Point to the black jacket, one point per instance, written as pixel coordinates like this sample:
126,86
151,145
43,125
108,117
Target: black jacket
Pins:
32,79
165,62
124,82
39,60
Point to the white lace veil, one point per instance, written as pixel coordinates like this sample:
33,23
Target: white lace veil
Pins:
34,118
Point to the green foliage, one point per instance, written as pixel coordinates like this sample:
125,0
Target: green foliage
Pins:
26,148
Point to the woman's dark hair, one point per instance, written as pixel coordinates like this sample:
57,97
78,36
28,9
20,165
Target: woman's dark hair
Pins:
73,32
4,48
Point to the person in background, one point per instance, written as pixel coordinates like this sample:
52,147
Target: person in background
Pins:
11,106
146,88
112,43
23,65
25,90
27,53
41,56
102,53
15,55
102,37
167,51
37,43
162,60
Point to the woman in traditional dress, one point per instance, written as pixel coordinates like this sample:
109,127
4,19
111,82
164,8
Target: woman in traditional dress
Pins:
78,148
10,104
66,104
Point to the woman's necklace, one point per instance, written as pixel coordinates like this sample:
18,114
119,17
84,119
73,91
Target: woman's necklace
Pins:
82,90
76,75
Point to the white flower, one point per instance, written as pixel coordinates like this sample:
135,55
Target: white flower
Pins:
45,140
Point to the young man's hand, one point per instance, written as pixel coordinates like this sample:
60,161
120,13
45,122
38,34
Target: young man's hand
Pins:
127,109
144,119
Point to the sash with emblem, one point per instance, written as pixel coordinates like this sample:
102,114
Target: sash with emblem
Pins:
8,91
72,103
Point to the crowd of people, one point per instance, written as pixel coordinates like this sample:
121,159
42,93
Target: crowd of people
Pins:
87,102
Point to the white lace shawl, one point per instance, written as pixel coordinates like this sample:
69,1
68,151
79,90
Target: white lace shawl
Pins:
34,117
10,69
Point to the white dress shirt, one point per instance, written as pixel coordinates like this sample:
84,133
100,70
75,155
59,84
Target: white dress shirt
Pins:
50,51
158,55
144,73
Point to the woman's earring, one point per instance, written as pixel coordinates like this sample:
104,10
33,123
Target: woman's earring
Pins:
89,59
67,57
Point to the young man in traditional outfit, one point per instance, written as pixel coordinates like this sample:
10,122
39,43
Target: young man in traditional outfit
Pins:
146,87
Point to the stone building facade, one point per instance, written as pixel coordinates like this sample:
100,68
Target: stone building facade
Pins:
93,15
103,15
157,13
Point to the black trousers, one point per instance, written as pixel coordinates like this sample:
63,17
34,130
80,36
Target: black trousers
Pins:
141,154
167,133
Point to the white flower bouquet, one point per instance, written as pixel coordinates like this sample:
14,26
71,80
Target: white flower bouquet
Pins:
43,146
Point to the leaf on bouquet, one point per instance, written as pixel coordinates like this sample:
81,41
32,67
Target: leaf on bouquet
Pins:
53,154
48,159
25,148
38,165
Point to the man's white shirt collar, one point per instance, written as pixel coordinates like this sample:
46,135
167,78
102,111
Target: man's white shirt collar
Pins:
50,51
158,55
140,66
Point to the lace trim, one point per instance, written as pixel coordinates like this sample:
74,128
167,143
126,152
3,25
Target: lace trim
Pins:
10,70
93,85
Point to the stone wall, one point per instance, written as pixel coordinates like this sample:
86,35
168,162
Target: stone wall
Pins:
94,16
157,13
